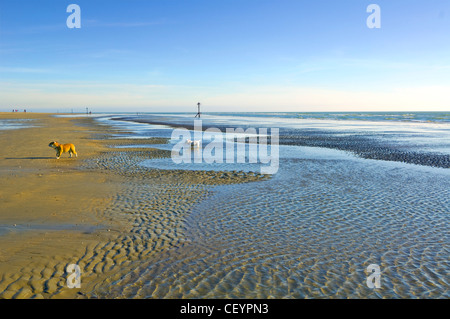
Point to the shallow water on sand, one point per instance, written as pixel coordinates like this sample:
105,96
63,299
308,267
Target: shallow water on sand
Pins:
310,232
13,124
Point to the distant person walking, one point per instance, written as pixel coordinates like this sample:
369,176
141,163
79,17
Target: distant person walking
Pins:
198,112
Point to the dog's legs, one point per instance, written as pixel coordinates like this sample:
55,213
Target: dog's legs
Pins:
58,155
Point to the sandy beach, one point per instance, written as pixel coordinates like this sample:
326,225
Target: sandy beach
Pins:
141,231
100,211
228,150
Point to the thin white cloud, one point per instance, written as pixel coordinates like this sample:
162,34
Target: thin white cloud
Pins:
24,70
35,29
85,23
122,24
109,53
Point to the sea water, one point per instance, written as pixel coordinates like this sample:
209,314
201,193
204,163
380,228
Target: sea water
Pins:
13,124
312,230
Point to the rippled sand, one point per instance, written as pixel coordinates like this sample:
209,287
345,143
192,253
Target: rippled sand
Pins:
310,231
101,211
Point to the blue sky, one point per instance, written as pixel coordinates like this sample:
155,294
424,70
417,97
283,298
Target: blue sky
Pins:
231,55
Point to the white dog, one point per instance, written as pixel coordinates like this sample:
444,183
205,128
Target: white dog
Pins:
193,143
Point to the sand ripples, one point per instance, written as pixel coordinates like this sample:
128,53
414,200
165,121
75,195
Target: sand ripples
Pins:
310,232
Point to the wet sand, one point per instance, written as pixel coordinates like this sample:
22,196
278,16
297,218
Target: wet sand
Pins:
314,238
310,231
101,211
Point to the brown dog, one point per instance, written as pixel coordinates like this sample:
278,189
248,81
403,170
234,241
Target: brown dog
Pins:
63,148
